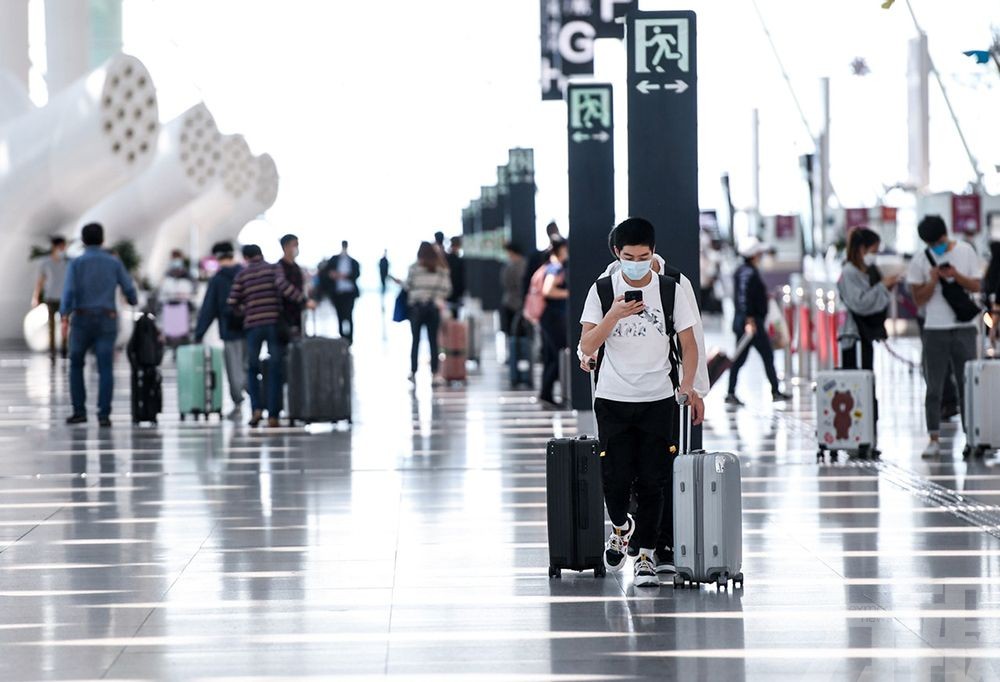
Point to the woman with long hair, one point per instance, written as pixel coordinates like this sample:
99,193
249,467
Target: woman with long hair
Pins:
866,295
428,285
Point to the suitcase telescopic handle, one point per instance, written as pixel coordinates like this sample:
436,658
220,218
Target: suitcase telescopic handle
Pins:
684,424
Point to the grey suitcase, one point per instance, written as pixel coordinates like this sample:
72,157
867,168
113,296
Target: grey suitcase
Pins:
982,395
319,380
708,514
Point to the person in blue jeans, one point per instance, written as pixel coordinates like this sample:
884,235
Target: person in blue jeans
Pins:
89,310
258,293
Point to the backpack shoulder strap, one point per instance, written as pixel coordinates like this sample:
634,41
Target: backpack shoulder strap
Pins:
668,293
605,292
672,273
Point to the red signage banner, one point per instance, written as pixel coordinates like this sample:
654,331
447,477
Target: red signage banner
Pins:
966,210
856,217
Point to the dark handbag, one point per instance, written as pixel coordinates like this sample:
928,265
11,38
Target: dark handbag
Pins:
961,303
871,327
401,310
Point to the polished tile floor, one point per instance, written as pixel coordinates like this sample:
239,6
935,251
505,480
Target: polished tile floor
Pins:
413,545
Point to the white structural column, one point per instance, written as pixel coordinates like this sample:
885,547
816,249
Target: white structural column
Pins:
14,39
250,205
918,113
187,165
755,171
67,42
182,230
823,186
63,158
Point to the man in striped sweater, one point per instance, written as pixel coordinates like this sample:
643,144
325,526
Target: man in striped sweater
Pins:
258,293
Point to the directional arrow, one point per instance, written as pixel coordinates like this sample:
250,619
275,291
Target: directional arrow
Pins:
645,87
677,86
602,136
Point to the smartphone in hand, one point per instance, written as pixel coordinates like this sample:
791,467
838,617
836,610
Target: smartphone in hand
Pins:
633,296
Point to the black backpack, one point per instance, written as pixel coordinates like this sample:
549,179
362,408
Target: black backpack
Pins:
145,348
958,299
669,280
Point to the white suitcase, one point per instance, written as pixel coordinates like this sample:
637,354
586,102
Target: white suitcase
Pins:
845,412
982,398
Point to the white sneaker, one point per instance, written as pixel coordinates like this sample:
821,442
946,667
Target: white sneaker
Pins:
645,572
616,548
933,449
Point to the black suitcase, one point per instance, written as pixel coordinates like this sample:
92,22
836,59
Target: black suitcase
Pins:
147,394
319,380
575,502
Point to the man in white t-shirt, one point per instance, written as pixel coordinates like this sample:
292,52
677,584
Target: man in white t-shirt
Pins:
948,342
635,402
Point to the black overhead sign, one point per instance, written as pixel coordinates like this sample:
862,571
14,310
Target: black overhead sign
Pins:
591,207
663,132
569,29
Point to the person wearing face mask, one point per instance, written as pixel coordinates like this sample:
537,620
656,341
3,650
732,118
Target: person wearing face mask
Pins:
176,296
628,321
751,311
291,327
949,333
866,294
553,320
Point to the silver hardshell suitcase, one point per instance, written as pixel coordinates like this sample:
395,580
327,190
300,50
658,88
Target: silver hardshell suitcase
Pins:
708,514
982,396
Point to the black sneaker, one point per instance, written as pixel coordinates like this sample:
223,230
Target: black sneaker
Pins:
779,396
731,399
104,422
663,560
77,419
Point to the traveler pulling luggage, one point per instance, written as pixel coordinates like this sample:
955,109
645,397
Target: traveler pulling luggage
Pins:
454,344
145,352
719,363
176,322
199,381
982,395
575,506
846,413
708,513
318,374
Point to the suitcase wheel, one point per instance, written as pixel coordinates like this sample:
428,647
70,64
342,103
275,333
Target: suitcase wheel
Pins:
555,572
600,572
738,581
183,416
679,581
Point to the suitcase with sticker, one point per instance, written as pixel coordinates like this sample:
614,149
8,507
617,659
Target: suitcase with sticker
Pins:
846,412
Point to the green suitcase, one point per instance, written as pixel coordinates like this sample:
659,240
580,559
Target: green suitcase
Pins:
199,380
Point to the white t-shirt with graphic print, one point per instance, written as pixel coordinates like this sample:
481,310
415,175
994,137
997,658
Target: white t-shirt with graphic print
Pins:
636,366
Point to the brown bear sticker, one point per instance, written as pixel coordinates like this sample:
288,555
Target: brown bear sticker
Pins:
842,404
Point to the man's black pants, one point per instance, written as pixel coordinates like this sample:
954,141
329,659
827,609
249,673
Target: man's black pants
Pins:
636,441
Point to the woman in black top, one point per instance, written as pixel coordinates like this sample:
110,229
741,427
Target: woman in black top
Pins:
751,311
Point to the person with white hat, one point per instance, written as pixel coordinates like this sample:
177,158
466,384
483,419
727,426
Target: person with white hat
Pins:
751,311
